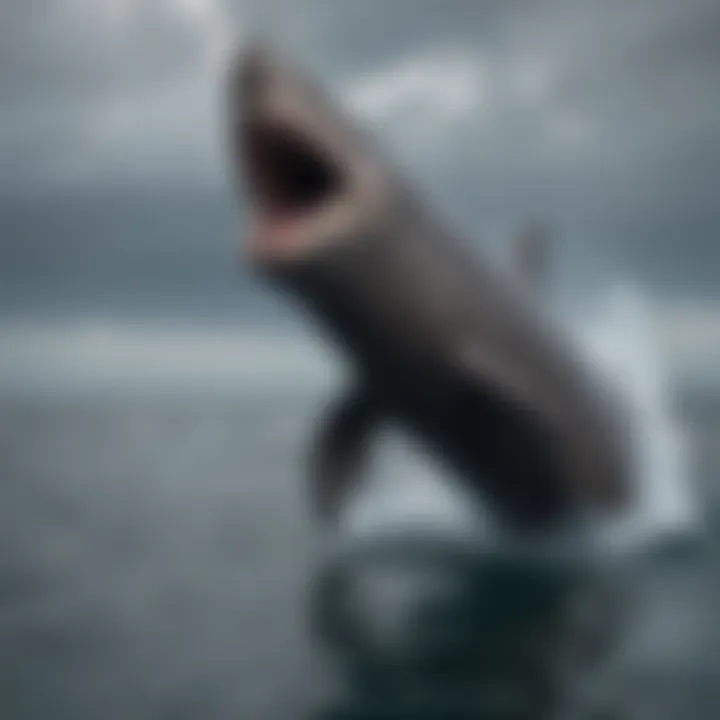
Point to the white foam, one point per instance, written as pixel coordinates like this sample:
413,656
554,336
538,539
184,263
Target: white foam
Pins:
621,341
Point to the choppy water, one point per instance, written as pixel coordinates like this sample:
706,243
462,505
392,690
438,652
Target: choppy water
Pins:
154,564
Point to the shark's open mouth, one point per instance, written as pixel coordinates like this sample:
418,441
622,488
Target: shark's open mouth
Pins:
294,183
290,175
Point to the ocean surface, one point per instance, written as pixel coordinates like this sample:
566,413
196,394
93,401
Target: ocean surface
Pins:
155,556
152,562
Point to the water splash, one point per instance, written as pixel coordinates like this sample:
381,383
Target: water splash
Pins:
618,339
621,340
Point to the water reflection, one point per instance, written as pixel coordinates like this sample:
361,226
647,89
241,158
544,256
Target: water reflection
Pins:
423,626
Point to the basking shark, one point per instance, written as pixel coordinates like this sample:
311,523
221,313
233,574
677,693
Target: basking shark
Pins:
440,342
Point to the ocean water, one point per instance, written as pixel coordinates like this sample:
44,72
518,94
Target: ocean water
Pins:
155,562
158,559
153,558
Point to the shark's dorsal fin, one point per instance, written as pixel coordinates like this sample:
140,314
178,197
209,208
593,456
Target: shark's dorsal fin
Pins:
341,448
531,251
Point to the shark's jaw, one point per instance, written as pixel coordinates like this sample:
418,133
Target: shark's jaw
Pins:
306,180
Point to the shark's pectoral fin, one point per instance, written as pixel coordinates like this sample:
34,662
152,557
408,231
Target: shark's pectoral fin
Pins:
341,449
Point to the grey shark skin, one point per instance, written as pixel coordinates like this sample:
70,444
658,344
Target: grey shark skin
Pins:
441,342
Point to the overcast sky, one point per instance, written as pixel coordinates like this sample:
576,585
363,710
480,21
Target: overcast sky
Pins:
602,116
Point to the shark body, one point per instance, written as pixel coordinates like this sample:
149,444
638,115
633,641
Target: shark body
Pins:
439,341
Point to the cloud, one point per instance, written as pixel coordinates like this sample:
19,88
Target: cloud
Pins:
118,87
600,116
444,85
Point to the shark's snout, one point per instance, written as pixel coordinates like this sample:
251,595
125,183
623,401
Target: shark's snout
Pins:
257,70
